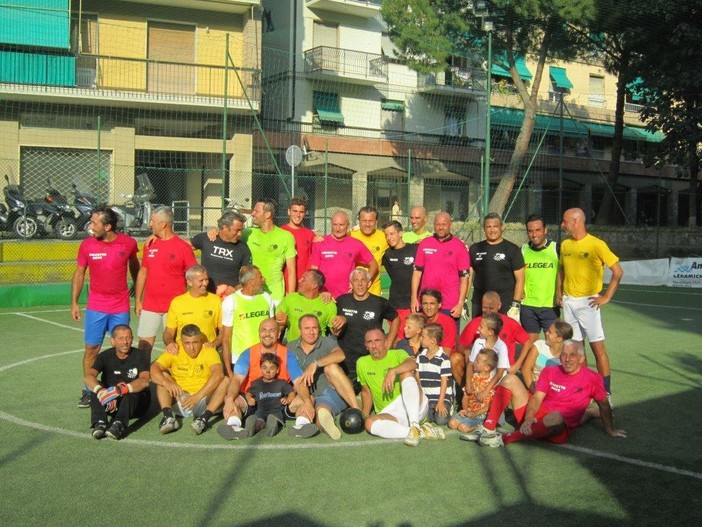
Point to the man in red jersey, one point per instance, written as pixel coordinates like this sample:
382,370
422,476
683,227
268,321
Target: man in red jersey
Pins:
303,237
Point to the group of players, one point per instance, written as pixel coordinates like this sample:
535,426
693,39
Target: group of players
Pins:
280,323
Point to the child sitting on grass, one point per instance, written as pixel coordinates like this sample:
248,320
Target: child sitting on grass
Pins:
474,410
268,394
434,374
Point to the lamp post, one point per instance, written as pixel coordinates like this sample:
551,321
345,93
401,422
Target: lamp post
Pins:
480,8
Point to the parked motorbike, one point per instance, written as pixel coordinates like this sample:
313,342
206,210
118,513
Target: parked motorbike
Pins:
135,213
83,205
17,216
57,216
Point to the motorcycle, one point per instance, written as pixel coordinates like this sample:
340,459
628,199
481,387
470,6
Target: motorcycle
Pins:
135,213
57,216
17,216
83,205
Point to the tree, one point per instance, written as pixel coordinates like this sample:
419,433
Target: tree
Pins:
425,32
672,69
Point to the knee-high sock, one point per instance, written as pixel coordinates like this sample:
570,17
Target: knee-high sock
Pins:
410,398
538,430
389,429
499,402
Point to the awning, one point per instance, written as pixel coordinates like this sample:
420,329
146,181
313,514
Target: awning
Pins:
512,118
392,105
326,106
501,68
559,78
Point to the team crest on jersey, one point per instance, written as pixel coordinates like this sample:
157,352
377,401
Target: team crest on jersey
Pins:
584,256
273,248
349,255
208,314
132,373
409,260
499,257
122,254
172,256
369,315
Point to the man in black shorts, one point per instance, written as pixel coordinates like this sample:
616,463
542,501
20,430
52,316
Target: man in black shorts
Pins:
123,388
360,311
498,266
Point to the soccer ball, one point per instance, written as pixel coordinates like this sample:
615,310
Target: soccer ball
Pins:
351,421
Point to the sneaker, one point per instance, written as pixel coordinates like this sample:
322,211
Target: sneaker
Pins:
198,426
493,440
326,422
168,425
432,431
415,433
305,431
229,432
250,426
84,401
99,429
117,431
475,434
273,426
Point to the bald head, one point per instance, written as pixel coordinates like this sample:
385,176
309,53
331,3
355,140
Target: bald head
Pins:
574,222
491,302
340,224
418,217
442,225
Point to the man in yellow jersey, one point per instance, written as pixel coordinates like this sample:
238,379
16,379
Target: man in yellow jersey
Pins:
582,262
373,239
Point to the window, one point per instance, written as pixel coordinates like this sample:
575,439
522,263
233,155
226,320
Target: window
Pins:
171,47
596,96
455,122
325,35
392,115
327,111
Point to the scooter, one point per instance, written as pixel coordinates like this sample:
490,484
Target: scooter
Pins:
83,205
17,216
57,216
135,213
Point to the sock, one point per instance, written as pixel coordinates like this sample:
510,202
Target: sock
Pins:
513,437
167,412
607,382
539,429
206,415
234,421
389,429
500,401
299,421
410,398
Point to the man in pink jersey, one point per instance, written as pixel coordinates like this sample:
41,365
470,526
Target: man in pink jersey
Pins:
108,255
339,254
161,277
442,263
303,237
558,406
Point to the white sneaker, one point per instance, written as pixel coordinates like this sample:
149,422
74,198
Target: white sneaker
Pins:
433,432
327,424
493,440
415,433
475,434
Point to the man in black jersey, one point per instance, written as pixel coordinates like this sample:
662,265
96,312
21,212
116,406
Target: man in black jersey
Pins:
398,261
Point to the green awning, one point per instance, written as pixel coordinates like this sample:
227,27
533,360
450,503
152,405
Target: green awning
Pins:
327,108
501,68
644,135
37,23
559,78
392,105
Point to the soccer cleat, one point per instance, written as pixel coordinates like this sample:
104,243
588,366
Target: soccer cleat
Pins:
475,434
84,401
198,426
99,430
415,433
168,425
117,431
303,431
273,426
230,432
326,422
432,431
493,440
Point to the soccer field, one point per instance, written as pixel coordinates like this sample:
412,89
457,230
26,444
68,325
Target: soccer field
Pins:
54,473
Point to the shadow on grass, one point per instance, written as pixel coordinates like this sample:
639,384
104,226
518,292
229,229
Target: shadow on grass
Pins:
23,450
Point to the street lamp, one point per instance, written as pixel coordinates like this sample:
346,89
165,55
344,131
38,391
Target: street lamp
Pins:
480,8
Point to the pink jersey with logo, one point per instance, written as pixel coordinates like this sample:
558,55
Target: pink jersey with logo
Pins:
441,263
107,263
336,259
570,395
167,261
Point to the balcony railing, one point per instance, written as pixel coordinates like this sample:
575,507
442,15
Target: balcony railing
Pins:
355,65
454,79
631,107
126,79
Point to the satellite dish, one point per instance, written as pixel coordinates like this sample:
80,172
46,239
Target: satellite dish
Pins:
293,155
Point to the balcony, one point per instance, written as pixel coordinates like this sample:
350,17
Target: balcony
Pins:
346,65
454,81
222,6
364,8
138,82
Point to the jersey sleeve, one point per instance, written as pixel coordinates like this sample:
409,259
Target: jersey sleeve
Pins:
82,258
364,256
246,258
143,362
196,241
468,335
517,258
543,382
241,367
294,369
477,346
606,255
228,305
290,250
462,259
446,367
99,362
419,258
211,357
389,312
166,360
172,315
502,355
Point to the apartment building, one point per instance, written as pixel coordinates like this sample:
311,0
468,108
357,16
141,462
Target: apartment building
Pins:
96,91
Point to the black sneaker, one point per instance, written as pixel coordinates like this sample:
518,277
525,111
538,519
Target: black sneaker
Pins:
198,426
99,429
250,426
117,431
273,426
84,401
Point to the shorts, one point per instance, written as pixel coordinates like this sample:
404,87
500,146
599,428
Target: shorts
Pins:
150,322
585,320
332,400
559,438
469,421
434,417
195,411
536,319
397,409
97,324
251,410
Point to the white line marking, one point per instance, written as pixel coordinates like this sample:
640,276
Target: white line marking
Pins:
688,308
662,291
39,311
34,359
633,461
64,326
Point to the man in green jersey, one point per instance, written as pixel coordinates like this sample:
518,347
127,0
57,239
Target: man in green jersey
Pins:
418,219
242,313
307,300
272,249
539,309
